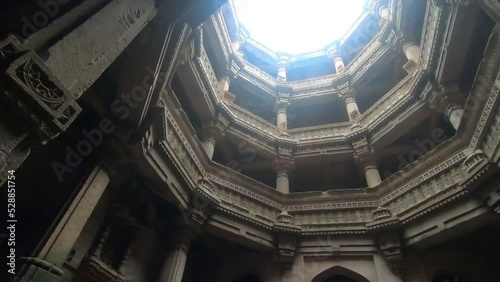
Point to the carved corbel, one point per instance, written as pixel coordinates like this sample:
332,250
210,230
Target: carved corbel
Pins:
215,129
286,240
393,250
361,146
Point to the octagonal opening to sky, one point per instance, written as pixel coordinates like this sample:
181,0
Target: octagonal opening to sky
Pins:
297,26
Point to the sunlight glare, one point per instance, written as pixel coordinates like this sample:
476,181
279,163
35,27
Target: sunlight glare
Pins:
297,26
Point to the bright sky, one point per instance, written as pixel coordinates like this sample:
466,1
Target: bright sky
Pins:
289,25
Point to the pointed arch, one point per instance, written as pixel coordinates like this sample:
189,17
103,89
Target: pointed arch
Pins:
339,270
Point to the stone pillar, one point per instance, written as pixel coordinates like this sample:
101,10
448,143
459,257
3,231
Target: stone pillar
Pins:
372,175
455,113
224,83
339,63
282,165
334,54
282,183
282,118
175,262
209,144
212,132
281,74
281,113
282,64
384,13
66,233
174,265
351,107
384,272
412,52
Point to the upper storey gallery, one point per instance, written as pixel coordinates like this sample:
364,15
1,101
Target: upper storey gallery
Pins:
347,113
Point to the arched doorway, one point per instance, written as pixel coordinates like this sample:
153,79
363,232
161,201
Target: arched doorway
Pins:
339,274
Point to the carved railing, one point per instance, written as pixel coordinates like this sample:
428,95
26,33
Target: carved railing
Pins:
437,178
435,22
393,101
320,132
372,52
389,101
431,182
253,120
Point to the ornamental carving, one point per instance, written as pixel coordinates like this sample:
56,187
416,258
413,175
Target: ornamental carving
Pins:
42,98
284,218
381,213
38,81
407,195
474,161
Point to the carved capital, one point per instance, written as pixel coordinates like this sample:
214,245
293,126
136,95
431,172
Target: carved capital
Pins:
350,99
216,128
362,147
283,164
346,90
282,102
390,245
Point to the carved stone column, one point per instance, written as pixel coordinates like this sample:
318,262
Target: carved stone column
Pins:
339,64
175,262
352,107
182,234
384,271
412,52
384,13
391,262
348,94
212,132
282,64
209,144
282,165
224,83
336,56
372,174
69,228
282,182
281,110
454,113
